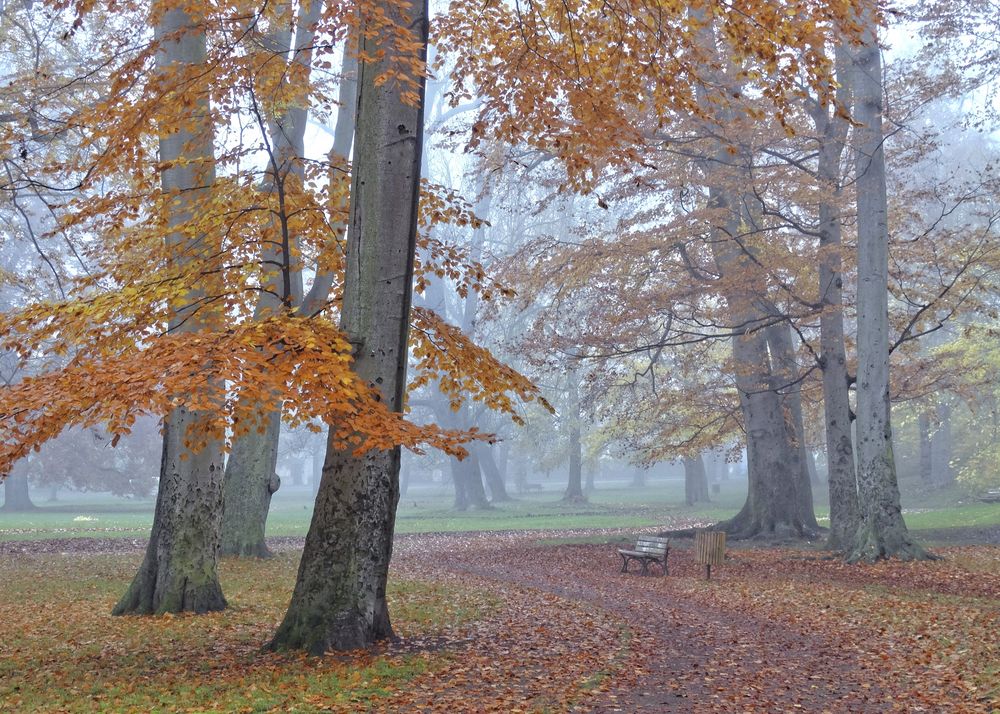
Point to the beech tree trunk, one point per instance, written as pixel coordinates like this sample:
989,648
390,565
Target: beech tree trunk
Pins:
882,532
16,497
841,473
339,600
786,368
250,479
178,572
695,481
494,478
574,487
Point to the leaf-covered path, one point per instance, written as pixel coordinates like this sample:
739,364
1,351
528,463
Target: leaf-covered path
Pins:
527,627
775,630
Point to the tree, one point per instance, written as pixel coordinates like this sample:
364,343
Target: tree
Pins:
695,481
882,531
178,571
339,600
250,477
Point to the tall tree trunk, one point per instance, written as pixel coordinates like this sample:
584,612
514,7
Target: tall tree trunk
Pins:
574,487
639,477
16,498
339,600
695,481
840,459
494,478
882,532
250,478
178,572
591,467
786,368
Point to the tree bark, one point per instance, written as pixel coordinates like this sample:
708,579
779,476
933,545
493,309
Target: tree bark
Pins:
250,477
695,481
339,600
494,478
17,498
882,532
250,481
841,473
779,340
178,572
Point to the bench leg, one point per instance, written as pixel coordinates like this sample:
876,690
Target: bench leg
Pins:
624,564
645,567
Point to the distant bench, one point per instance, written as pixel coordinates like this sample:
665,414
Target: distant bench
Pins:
647,550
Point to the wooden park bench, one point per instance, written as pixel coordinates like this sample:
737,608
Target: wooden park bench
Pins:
648,549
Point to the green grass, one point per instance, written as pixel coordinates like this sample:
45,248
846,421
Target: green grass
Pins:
62,651
429,509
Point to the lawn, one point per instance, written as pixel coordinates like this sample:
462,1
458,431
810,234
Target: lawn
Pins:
428,509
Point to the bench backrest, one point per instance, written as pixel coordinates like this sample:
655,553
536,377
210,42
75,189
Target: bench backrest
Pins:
652,545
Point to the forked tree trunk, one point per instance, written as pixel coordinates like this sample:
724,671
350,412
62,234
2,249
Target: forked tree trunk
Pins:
837,416
494,478
16,498
250,479
178,572
695,481
882,532
339,600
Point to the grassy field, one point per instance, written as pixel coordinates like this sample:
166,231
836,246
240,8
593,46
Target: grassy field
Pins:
428,509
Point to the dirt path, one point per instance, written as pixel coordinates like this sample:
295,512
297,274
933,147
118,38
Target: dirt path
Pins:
692,646
695,658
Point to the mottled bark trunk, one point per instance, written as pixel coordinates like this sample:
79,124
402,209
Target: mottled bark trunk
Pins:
471,474
250,481
786,369
574,486
16,497
339,600
695,481
882,532
840,457
458,480
178,572
773,508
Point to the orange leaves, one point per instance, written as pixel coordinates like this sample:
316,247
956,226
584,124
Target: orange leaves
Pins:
443,353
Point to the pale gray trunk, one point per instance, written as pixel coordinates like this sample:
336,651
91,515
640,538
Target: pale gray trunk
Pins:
695,481
639,477
16,497
250,482
178,572
250,478
339,600
574,486
841,474
882,532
